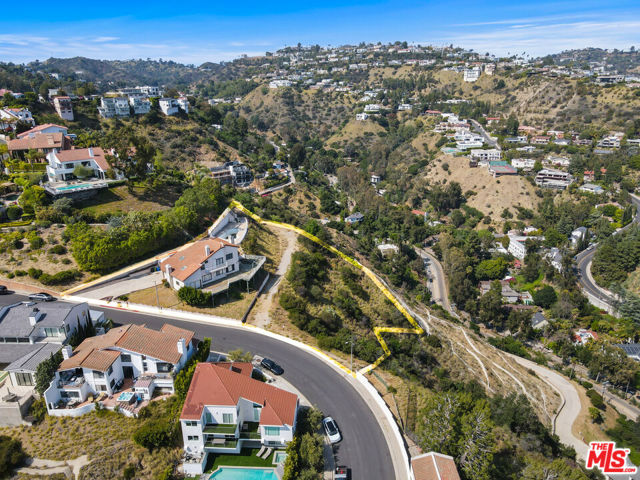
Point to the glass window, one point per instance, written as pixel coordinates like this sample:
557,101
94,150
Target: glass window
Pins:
98,374
101,388
209,417
272,431
193,438
109,370
227,418
256,414
24,379
229,256
219,261
125,358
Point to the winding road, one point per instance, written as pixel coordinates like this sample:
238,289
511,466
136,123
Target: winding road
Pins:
363,448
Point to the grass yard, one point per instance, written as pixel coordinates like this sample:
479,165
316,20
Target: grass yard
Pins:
119,199
246,458
234,307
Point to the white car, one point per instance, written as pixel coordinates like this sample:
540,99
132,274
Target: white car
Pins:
331,428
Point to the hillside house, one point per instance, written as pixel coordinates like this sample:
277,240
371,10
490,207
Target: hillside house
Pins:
63,107
131,356
9,117
44,128
584,336
631,349
498,168
63,163
227,410
483,157
525,164
591,188
45,143
201,263
434,466
354,218
550,178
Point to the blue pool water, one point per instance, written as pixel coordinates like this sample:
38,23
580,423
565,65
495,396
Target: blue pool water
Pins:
229,473
125,396
73,187
279,457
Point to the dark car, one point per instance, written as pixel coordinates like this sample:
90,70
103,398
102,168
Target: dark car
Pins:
41,296
272,366
3,290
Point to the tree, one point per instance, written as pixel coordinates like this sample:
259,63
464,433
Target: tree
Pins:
33,196
11,455
545,297
492,269
490,305
82,172
45,372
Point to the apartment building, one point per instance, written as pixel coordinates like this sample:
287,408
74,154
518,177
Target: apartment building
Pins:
114,107
63,107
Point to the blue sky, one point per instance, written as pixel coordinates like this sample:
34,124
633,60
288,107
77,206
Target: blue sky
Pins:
195,31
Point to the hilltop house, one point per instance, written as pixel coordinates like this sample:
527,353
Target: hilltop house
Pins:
44,128
31,332
201,263
62,164
227,410
556,179
131,354
63,107
44,143
114,107
10,116
171,106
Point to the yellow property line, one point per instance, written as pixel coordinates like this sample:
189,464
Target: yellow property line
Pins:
378,331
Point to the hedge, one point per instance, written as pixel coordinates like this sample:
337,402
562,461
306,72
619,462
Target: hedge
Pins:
194,297
60,278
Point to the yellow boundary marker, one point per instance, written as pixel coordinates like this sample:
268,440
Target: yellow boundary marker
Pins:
377,331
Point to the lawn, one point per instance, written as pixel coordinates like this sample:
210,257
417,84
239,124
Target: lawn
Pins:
523,285
246,458
120,199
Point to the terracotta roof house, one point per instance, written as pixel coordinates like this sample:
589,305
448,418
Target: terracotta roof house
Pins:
101,364
44,128
434,466
62,163
227,410
43,142
201,263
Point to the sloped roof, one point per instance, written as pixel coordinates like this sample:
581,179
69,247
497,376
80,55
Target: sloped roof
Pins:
220,385
30,361
39,129
78,154
434,466
38,141
185,263
98,353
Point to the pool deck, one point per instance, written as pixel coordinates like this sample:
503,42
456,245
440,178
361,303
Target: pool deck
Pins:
224,467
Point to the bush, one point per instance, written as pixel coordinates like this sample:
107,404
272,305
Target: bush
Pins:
58,250
60,278
34,273
14,212
586,384
596,399
11,455
20,273
155,434
194,297
36,242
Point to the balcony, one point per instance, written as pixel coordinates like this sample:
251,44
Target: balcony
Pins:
221,443
73,382
221,428
250,430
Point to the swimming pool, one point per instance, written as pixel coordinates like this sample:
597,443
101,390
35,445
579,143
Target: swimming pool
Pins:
235,473
279,457
125,396
73,187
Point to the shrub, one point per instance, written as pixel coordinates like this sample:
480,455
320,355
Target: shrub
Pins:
596,399
58,250
60,278
194,297
14,212
155,434
36,242
35,273
11,455
20,273
586,384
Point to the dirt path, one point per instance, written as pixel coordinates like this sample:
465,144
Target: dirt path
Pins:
42,467
261,312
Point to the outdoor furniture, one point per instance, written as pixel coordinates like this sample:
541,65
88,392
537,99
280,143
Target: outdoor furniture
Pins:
218,441
267,453
259,454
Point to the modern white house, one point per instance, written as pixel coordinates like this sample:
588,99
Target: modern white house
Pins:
140,105
63,107
550,178
227,410
62,164
114,107
171,106
201,263
11,116
132,357
471,74
483,156
361,117
525,164
517,247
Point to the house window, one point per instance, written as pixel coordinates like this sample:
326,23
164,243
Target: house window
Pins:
112,383
69,394
145,367
109,370
24,379
101,388
219,272
193,438
219,261
227,418
209,417
191,423
256,414
125,358
272,431
229,256
51,331
97,374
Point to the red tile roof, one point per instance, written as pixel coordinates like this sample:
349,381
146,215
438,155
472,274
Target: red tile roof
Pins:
39,129
185,263
78,154
434,466
96,352
220,385
39,141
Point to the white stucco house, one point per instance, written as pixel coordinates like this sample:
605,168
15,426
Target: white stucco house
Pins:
114,107
62,164
201,263
517,247
227,410
142,359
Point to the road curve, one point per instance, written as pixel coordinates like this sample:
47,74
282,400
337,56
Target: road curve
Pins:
363,448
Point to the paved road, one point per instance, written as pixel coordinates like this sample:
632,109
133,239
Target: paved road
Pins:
438,285
583,262
487,138
363,448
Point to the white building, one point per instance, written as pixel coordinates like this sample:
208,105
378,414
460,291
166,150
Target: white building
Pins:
140,105
361,117
64,108
591,188
131,354
114,107
471,74
525,164
183,104
405,107
280,83
62,164
485,156
11,116
550,178
517,247
201,263
171,106
227,410
372,108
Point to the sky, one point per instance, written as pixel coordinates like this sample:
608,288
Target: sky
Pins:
195,32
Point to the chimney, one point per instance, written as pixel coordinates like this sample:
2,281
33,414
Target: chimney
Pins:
34,316
182,347
67,352
207,250
167,269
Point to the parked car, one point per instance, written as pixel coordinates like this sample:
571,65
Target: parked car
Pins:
331,428
272,366
3,290
45,297
342,473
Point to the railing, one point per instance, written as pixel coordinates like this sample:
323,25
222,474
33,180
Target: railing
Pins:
217,443
71,383
221,428
250,435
